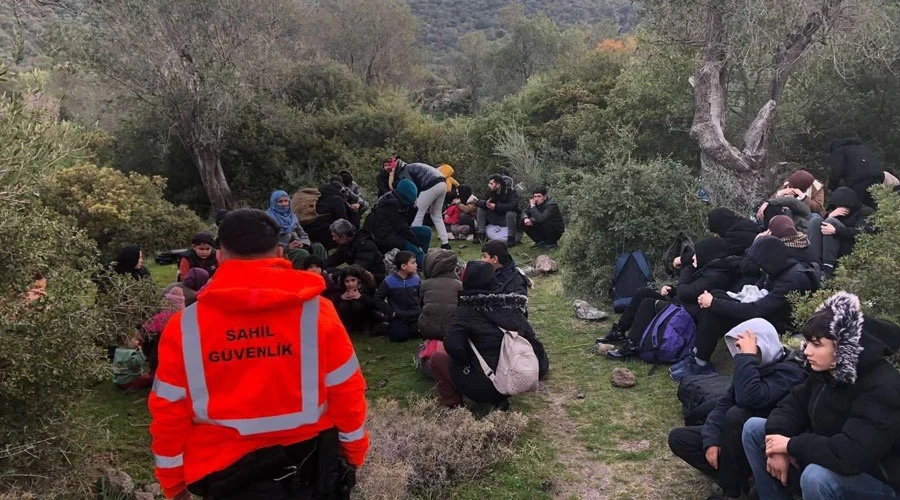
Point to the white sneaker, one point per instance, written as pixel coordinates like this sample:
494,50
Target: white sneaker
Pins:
450,236
470,237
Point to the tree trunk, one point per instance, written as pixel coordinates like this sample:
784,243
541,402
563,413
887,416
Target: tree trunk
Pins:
208,163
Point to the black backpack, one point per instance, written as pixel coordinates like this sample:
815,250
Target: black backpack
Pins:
681,244
699,395
632,272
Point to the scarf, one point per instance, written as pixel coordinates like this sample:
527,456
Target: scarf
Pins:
798,240
282,215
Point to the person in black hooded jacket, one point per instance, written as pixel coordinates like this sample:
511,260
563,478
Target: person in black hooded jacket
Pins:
388,223
331,206
478,318
711,268
837,434
739,232
855,165
783,275
834,237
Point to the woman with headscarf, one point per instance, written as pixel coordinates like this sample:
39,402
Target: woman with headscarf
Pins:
130,262
739,232
291,234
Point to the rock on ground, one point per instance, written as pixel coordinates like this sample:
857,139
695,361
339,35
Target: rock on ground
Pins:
544,264
623,377
587,312
604,348
117,483
153,488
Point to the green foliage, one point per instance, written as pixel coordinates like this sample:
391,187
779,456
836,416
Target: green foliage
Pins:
116,209
625,207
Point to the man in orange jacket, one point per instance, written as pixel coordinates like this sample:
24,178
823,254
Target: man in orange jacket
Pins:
258,393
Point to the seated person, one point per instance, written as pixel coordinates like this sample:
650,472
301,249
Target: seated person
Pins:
457,230
291,235
174,300
497,217
856,166
466,204
479,318
356,204
542,221
191,285
313,264
389,223
202,254
384,176
739,232
797,243
507,277
355,248
398,299
803,186
130,262
711,269
130,367
792,207
764,373
438,293
330,206
838,433
783,275
834,237
354,298
452,184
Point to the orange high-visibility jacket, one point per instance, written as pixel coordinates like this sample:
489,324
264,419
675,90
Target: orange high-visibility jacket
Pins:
260,360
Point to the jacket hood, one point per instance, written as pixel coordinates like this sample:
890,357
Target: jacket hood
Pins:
440,263
771,255
844,197
770,348
720,220
127,259
487,302
346,177
478,275
708,250
260,285
839,143
446,170
330,189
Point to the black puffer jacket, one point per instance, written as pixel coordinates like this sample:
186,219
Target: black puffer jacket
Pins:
389,223
438,292
363,252
330,207
478,318
854,222
424,176
853,163
785,275
739,232
848,419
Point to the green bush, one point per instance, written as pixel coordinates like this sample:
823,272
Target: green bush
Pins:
625,207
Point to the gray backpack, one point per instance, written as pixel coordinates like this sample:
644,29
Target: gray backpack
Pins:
518,367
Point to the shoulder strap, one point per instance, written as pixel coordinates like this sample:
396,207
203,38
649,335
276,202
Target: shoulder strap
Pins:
620,266
642,263
484,366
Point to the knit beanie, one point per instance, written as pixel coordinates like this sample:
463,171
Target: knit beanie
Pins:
782,226
407,192
203,237
801,180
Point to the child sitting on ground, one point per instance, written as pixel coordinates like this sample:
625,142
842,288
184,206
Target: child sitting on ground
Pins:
129,365
202,254
398,297
354,300
314,264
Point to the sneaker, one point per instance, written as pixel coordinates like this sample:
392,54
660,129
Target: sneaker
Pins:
446,246
538,245
625,350
451,236
616,334
681,364
693,369
551,247
470,237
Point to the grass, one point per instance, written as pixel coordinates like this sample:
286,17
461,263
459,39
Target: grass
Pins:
586,438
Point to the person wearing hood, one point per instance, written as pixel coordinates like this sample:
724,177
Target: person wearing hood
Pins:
838,433
355,247
193,282
764,373
834,237
452,184
739,232
130,262
438,293
174,300
354,300
497,216
431,186
856,166
542,221
794,208
783,276
202,254
803,186
291,235
711,267
797,243
330,206
507,277
478,319
255,378
356,204
389,222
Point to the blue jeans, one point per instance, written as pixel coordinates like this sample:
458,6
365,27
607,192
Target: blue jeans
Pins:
419,248
816,482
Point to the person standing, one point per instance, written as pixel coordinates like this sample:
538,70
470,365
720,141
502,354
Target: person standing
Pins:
432,187
258,393
543,222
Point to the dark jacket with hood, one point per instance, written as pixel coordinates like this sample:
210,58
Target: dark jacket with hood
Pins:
424,176
389,223
511,279
848,419
783,276
717,271
507,200
330,207
856,165
361,251
854,222
797,210
358,315
398,297
479,317
739,232
438,293
547,216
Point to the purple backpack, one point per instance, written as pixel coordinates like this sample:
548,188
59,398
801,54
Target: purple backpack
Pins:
670,336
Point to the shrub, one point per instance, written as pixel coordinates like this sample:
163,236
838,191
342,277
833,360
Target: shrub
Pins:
414,451
625,207
115,209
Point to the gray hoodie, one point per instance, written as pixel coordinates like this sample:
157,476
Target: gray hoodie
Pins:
766,339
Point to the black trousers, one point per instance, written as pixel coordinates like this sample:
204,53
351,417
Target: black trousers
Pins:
646,311
734,470
627,317
710,328
271,490
542,233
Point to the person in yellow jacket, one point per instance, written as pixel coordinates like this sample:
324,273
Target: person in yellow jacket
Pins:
447,171
258,393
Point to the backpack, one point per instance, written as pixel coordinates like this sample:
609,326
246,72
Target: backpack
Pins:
518,367
669,337
681,243
632,273
699,394
303,203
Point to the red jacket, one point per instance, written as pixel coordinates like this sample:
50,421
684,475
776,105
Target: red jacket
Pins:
260,360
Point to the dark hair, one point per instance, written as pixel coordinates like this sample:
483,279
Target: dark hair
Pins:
403,257
818,325
497,249
336,179
541,190
464,192
312,260
248,232
497,178
366,281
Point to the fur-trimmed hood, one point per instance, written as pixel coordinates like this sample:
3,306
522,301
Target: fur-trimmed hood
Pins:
487,302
